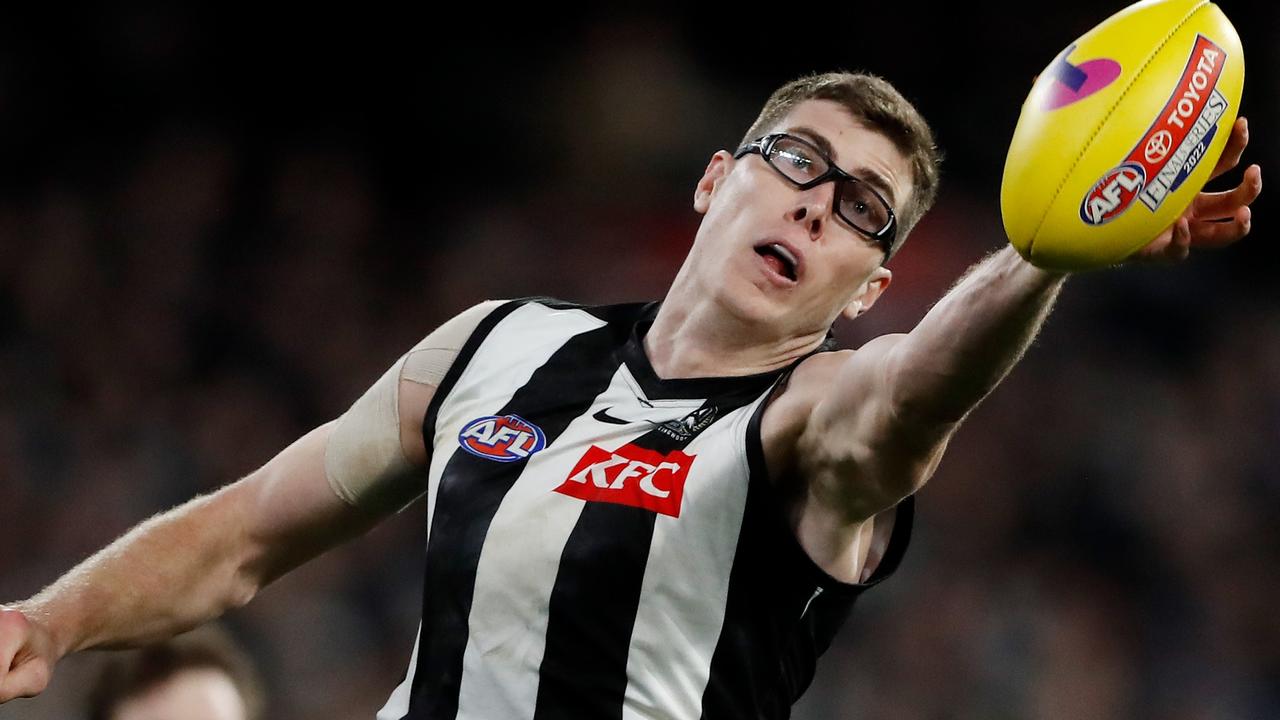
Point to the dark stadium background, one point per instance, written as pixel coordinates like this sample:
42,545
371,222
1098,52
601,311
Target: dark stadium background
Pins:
218,225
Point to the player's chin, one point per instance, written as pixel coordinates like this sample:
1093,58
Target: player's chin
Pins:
756,301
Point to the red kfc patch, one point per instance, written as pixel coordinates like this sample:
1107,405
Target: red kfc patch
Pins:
631,476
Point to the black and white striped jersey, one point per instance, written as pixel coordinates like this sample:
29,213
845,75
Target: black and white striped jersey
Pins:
603,543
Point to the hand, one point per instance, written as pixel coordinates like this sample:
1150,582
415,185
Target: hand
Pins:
26,656
1214,219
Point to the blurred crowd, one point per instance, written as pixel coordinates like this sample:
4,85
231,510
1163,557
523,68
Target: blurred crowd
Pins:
184,293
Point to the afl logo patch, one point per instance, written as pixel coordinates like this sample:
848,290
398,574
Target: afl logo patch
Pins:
1113,194
502,438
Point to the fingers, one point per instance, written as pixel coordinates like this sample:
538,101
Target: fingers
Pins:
27,680
1179,246
1221,234
1214,220
1235,148
12,638
1221,205
22,672
1169,246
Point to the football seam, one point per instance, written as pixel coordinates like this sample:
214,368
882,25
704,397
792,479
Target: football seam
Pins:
1031,246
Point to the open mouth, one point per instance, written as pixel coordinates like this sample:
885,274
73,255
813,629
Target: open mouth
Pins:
779,259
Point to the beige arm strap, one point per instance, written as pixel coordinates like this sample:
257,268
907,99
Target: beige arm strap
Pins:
365,461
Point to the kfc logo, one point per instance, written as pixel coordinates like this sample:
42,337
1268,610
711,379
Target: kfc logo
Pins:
631,476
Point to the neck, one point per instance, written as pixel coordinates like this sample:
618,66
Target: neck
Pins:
693,336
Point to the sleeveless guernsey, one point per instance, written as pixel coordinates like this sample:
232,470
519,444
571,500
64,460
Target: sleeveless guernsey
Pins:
603,543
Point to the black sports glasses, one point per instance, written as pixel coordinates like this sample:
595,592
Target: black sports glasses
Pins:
856,202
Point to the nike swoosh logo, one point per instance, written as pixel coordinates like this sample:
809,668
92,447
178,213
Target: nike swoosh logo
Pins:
604,417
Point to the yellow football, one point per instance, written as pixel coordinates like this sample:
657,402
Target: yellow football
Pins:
1120,132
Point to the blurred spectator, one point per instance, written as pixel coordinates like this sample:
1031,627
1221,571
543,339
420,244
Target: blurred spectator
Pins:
202,675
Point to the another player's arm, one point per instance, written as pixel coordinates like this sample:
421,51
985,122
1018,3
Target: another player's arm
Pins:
896,402
194,562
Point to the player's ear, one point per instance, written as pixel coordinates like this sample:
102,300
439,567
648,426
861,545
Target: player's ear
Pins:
868,292
719,166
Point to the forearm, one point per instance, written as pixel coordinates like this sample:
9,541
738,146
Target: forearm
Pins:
971,339
168,574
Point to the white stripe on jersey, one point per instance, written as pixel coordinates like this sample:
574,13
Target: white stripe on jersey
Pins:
684,594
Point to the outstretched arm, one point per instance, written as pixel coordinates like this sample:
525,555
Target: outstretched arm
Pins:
194,562
880,433
879,437
182,567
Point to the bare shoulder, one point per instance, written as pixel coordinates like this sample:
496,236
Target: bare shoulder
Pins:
819,394
846,545
788,412
840,448
424,369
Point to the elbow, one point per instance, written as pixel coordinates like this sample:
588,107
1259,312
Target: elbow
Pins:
241,559
243,588
257,566
238,578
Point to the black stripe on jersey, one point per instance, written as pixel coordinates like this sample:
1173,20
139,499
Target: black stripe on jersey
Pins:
470,491
783,610
596,595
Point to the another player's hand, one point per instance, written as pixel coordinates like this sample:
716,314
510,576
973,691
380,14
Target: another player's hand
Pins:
1214,219
26,656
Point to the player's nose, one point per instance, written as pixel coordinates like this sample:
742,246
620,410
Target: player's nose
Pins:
813,210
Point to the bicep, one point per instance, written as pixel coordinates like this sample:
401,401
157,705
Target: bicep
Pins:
294,508
859,449
377,454
289,511
342,478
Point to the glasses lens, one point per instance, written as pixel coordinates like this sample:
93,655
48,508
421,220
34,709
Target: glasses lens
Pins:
862,207
797,160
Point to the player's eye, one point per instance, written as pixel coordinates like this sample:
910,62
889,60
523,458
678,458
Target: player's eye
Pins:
796,160
862,207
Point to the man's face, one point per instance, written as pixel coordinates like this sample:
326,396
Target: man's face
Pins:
199,694
750,209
